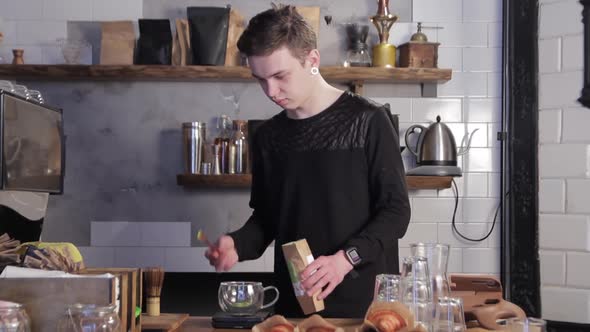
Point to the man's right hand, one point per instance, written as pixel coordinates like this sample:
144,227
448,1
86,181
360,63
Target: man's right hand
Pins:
222,255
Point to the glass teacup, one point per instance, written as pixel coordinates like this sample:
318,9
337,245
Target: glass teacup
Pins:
244,298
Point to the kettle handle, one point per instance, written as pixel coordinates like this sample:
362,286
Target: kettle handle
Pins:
411,131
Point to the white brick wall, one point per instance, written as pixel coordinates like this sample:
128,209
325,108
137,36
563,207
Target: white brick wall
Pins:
564,165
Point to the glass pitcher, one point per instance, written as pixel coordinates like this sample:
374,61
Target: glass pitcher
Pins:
90,318
14,318
437,255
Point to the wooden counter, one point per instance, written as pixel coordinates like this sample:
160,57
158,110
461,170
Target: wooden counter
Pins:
203,324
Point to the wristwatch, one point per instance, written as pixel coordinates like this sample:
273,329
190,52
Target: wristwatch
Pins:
353,256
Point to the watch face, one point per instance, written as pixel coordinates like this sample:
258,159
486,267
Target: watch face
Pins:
353,255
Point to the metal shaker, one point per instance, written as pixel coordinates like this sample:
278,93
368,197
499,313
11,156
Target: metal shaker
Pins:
193,138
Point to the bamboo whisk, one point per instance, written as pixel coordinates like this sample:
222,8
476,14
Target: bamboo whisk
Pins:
154,278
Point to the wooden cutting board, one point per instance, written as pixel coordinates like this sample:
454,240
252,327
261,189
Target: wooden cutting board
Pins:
164,322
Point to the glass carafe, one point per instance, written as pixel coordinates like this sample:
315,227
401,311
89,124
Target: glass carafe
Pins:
14,318
90,318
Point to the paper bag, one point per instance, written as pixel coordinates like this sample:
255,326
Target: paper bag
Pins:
237,25
182,55
117,43
312,15
298,256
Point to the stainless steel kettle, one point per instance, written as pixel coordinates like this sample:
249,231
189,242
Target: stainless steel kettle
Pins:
436,145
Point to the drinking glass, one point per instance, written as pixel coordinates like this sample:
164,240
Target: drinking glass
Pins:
450,316
415,291
387,288
528,324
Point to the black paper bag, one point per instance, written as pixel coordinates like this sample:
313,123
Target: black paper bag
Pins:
208,29
154,46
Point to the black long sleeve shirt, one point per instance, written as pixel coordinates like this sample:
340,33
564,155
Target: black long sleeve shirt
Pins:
337,180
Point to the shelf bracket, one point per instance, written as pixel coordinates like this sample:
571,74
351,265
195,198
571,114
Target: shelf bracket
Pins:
428,90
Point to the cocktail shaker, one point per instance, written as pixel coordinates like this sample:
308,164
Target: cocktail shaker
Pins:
193,138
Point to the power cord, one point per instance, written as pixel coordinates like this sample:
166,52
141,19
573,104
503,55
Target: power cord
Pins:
456,191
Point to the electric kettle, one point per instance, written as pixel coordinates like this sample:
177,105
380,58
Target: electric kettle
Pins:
436,151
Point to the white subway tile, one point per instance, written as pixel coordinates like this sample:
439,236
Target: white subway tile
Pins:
32,54
482,160
575,127
40,32
68,10
494,184
550,55
560,89
139,257
97,256
578,269
8,28
563,160
552,268
495,239
465,85
494,85
427,109
551,22
494,34
455,260
463,34
551,196
482,11
573,52
435,210
437,11
401,33
446,234
481,260
550,126
102,10
482,59
114,234
52,55
567,232
566,304
479,210
470,185
482,109
419,233
190,259
493,130
22,10
165,234
400,106
578,196
432,193
450,57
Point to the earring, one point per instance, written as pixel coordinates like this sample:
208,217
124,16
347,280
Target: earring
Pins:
314,70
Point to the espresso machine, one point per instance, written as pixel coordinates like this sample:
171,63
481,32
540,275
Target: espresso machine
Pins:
32,160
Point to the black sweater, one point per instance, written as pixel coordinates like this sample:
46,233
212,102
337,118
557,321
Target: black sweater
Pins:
337,180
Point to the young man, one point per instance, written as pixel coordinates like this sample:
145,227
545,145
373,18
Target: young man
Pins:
327,169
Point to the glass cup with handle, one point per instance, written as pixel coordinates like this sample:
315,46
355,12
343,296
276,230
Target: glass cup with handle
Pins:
244,298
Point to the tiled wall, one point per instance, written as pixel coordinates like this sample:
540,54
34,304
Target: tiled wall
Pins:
470,35
564,165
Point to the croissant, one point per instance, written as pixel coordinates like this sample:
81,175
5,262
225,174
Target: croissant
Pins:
315,323
275,323
388,317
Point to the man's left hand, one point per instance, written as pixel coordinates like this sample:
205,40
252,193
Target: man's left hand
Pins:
325,271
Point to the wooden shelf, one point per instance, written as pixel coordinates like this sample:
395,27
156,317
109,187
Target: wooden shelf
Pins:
351,75
237,181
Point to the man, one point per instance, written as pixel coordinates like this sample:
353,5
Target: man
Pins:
327,168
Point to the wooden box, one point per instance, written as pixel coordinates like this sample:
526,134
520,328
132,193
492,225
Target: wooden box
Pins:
46,299
130,296
418,55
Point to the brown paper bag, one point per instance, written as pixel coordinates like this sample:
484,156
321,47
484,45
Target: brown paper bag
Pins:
181,45
237,25
117,43
312,15
298,256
